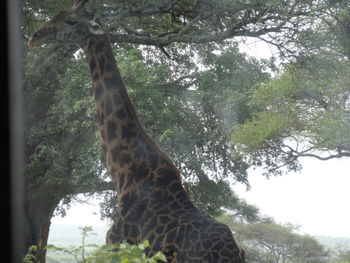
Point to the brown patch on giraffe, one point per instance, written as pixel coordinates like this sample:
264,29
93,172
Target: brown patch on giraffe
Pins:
152,159
91,44
101,64
117,99
111,130
109,106
112,81
98,91
96,76
109,67
116,151
124,159
92,64
99,47
128,131
139,171
101,118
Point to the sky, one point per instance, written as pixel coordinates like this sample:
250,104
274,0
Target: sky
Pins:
317,198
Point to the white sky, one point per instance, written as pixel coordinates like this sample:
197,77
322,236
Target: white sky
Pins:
317,198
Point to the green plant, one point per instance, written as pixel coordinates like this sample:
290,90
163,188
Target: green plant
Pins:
123,253
30,256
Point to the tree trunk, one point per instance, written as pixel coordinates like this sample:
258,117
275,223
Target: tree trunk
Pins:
40,207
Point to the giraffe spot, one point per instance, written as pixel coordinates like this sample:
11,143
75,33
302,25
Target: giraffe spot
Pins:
109,67
171,226
101,64
196,225
100,46
164,211
111,130
108,106
170,237
166,176
182,197
112,82
128,131
160,229
127,201
91,44
96,76
101,118
98,92
226,253
139,153
120,114
134,215
206,244
130,180
117,99
175,187
164,219
153,160
126,230
92,64
116,150
174,206
181,257
153,224
135,143
139,171
151,237
143,205
134,231
124,159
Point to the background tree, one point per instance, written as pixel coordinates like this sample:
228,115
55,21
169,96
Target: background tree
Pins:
304,111
266,241
341,255
189,103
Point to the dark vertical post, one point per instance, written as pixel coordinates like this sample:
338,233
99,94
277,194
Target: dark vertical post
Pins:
16,128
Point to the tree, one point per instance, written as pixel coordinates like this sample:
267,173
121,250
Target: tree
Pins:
304,112
183,110
267,241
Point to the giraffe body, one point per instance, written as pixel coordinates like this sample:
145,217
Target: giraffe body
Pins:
153,204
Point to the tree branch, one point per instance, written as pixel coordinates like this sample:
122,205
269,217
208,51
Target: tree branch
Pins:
80,189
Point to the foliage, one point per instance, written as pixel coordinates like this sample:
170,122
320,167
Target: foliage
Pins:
267,241
304,110
124,253
30,256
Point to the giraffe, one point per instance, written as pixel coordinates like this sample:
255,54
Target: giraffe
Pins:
153,205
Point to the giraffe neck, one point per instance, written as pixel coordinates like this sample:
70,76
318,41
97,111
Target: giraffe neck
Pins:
134,160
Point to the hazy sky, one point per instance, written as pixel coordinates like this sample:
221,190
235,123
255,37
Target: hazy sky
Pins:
317,198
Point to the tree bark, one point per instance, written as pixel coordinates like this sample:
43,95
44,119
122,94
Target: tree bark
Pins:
40,206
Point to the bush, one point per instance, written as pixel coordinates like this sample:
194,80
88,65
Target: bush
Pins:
123,253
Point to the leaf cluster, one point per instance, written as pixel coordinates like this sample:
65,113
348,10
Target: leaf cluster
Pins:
123,253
